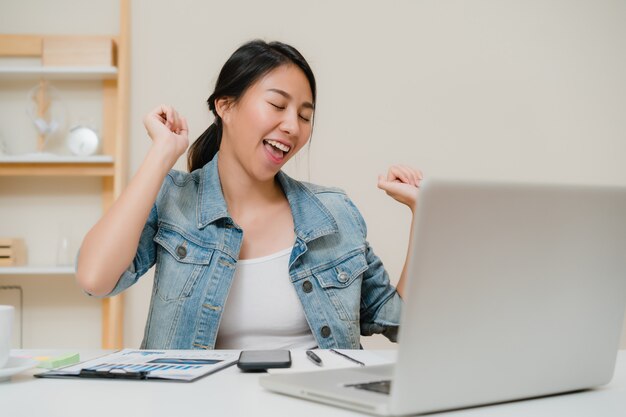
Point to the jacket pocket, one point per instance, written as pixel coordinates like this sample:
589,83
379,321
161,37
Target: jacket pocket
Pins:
341,283
181,259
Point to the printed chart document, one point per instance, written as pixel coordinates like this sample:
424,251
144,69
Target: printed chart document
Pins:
177,365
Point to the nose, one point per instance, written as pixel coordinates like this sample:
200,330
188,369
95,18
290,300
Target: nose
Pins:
289,124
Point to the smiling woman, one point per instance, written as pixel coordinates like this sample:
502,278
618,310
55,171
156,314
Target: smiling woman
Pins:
290,257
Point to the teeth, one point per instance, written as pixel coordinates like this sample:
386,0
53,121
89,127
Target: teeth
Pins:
278,145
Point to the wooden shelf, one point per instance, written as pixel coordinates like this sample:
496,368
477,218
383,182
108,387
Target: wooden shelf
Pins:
42,158
58,73
37,270
56,165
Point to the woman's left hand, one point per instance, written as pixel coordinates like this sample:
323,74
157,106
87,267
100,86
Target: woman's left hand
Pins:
402,184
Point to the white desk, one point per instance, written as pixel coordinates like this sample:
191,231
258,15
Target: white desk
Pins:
232,393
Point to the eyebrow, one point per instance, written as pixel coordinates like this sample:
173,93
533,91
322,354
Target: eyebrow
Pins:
288,96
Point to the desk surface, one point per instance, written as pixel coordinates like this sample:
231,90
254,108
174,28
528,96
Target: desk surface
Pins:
232,393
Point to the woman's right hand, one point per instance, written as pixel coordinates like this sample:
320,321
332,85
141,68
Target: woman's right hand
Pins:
168,131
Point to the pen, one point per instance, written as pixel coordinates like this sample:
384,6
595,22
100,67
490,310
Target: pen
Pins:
347,357
314,358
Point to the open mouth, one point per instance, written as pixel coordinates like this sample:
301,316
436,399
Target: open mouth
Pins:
277,149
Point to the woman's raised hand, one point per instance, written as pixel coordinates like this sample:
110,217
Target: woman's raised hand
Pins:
402,184
168,131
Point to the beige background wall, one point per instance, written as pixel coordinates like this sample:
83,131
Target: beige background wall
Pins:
482,89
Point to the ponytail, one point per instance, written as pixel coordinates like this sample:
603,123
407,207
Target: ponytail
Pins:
203,150
205,147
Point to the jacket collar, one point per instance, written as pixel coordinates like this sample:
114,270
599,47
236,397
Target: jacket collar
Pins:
211,204
310,217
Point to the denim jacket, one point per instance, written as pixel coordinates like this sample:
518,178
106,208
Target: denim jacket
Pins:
189,235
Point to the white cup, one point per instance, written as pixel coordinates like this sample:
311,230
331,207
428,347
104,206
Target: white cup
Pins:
6,326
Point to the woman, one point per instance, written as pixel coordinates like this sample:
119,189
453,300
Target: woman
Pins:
290,257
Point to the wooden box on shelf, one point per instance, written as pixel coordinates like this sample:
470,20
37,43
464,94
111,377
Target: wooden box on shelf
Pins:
66,51
20,45
12,252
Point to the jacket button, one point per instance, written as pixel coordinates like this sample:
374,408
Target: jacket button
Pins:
307,286
181,251
343,277
325,332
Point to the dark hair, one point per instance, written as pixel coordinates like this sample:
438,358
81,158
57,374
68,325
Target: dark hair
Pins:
245,66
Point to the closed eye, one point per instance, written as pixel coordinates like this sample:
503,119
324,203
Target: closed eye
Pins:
277,106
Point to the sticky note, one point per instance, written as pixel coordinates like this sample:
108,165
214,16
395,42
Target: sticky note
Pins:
58,361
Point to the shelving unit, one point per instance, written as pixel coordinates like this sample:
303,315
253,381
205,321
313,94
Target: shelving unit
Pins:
111,166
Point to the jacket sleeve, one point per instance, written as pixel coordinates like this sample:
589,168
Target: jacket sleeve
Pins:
381,306
144,258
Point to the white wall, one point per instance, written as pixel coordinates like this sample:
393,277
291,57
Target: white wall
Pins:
496,89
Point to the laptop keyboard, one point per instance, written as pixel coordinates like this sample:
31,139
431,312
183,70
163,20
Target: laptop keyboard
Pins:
382,387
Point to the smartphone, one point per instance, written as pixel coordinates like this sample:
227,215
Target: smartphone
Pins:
260,360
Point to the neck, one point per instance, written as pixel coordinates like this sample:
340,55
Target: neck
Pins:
242,192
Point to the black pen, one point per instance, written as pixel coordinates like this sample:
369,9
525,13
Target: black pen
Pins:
314,358
347,357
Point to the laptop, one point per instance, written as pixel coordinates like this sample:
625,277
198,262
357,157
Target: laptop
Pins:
515,291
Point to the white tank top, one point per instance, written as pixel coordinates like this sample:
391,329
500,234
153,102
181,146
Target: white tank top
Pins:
262,310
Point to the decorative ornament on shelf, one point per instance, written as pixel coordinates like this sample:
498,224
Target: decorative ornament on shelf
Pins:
47,111
83,141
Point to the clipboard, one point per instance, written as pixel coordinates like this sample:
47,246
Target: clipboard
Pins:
162,365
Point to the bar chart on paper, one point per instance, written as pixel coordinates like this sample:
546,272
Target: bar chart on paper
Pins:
181,365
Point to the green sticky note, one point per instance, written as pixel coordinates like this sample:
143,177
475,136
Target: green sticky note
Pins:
59,361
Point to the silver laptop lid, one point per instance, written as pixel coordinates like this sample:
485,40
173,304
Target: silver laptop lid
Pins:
514,291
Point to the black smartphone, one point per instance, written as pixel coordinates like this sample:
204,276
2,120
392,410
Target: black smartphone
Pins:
260,360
